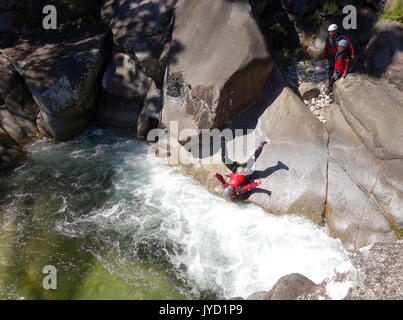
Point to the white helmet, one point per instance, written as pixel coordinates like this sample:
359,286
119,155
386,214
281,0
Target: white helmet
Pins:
342,43
333,27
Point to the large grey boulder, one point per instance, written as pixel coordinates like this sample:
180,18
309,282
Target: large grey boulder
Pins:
64,78
365,196
308,91
141,28
292,168
18,111
150,114
383,56
373,273
11,153
219,65
302,148
122,78
290,287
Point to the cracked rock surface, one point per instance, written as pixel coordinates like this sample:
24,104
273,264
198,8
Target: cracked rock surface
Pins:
374,272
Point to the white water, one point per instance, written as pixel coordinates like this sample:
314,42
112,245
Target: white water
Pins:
232,249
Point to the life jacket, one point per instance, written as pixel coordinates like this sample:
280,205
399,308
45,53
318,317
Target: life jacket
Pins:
339,63
333,43
236,180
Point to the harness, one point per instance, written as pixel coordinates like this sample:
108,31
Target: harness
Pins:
333,43
236,180
339,59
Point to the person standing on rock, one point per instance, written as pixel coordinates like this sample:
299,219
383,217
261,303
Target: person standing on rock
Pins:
238,183
341,61
330,50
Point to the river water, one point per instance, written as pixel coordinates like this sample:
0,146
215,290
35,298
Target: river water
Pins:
119,224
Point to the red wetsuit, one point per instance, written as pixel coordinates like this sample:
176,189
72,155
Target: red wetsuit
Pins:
331,43
236,180
342,60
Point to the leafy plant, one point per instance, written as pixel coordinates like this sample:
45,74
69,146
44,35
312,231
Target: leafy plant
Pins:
396,12
282,58
278,30
330,8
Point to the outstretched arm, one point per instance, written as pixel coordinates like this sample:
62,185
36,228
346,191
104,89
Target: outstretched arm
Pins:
221,179
346,62
249,187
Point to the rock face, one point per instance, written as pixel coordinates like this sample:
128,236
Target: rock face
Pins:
125,86
141,28
302,188
308,91
18,111
290,287
122,78
218,63
11,153
383,56
149,116
117,111
64,80
292,168
365,196
375,272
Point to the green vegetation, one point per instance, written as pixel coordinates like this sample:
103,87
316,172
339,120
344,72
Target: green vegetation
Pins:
396,12
277,30
286,57
282,58
330,8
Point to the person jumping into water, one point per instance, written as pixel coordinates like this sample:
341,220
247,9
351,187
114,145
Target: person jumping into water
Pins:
238,183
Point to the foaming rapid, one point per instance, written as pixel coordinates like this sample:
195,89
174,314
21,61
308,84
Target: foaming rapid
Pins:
209,243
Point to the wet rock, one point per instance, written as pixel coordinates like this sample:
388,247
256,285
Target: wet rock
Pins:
292,167
260,295
221,68
374,273
290,287
11,126
18,112
11,153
